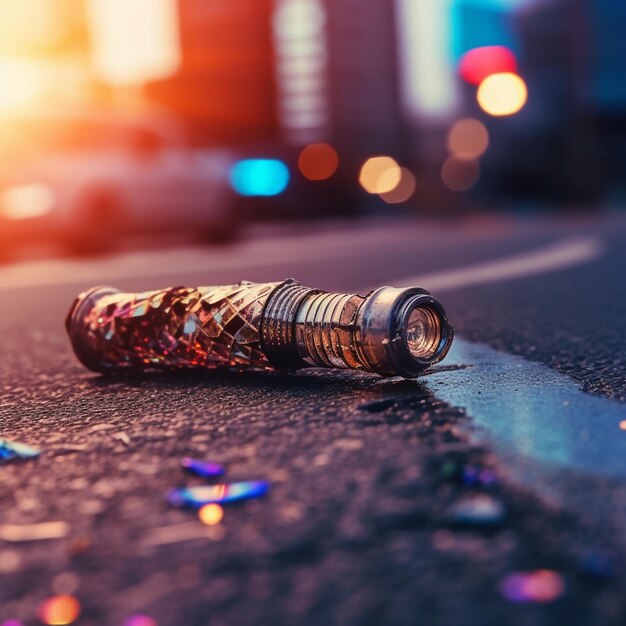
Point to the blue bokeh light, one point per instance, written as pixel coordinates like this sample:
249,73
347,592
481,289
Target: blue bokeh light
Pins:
259,177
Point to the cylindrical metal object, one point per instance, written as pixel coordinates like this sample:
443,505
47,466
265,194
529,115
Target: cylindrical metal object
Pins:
283,325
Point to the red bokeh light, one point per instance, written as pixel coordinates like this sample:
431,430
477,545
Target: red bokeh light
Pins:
475,65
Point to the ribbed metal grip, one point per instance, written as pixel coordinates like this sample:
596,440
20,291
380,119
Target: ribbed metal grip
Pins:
326,330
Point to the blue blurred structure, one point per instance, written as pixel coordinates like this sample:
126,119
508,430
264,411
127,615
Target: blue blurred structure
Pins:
606,20
477,23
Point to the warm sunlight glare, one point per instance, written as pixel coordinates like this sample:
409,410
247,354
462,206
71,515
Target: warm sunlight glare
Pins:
134,41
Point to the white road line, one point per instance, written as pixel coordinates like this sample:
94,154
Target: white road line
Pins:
266,253
254,253
140,265
557,256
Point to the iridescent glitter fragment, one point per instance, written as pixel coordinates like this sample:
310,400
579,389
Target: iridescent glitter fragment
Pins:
204,469
12,450
196,497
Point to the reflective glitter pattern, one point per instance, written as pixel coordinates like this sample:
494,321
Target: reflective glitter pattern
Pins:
207,327
197,497
281,325
11,450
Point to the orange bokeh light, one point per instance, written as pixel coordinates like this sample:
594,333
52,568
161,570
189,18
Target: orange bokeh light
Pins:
403,191
211,514
59,610
318,161
468,138
380,174
502,94
460,174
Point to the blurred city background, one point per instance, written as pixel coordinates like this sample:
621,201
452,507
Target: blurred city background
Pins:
198,116
476,148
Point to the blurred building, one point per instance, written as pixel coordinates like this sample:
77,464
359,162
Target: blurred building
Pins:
363,76
569,142
224,85
479,23
291,71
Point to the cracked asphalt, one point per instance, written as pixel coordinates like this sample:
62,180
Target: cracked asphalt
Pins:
362,523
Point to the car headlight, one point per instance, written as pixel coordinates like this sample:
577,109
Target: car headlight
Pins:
26,201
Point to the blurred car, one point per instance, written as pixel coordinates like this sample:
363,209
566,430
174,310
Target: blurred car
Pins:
89,179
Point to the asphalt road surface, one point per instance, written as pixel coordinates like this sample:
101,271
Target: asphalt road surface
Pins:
391,502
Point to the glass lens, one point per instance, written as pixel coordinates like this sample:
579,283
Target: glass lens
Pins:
423,332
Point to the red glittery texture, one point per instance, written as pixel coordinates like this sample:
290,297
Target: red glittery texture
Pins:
204,327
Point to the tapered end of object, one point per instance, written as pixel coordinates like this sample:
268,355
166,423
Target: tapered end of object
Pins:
75,325
403,331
